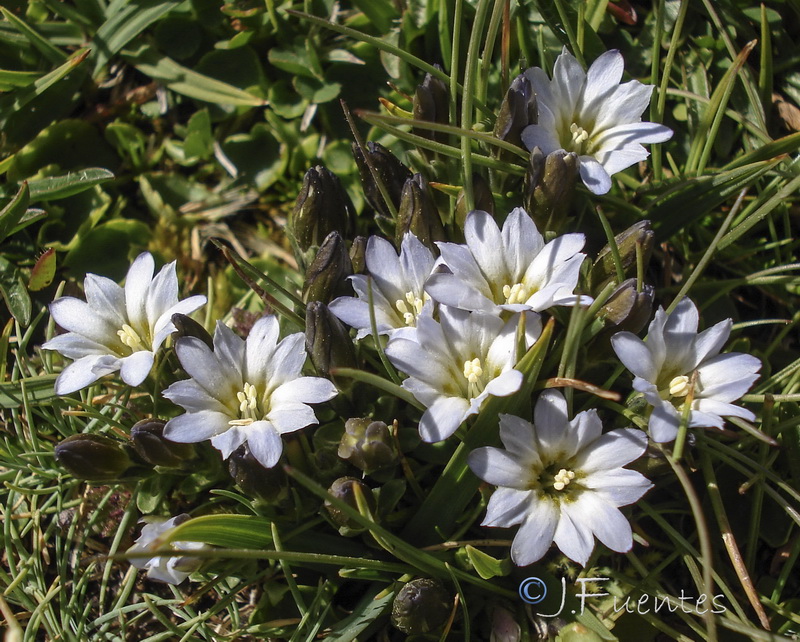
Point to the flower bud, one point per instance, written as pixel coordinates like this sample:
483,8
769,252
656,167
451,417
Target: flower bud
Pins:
603,270
328,341
92,457
517,111
187,327
576,632
504,627
367,444
481,194
358,254
549,185
267,484
421,606
322,206
327,274
431,103
344,489
392,173
418,213
627,308
150,444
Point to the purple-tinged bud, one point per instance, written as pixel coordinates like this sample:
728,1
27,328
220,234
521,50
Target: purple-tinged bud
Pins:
328,341
432,103
322,206
187,327
640,235
267,484
481,195
392,173
517,111
628,309
344,489
418,214
367,444
150,444
93,457
421,606
326,277
549,186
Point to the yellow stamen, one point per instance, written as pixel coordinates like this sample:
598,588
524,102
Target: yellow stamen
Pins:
679,386
129,337
517,293
562,479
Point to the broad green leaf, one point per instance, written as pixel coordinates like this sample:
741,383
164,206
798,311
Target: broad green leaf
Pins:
13,79
43,271
230,531
37,389
48,189
13,289
295,61
199,142
12,213
485,565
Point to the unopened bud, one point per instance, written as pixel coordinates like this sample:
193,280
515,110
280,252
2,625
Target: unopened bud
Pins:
92,457
627,308
322,206
187,327
327,274
344,489
267,484
504,627
549,186
421,606
358,254
391,172
481,195
576,632
328,341
639,234
367,444
431,103
150,444
418,213
517,111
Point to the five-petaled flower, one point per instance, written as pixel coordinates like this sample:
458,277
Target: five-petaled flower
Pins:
244,391
592,115
456,363
117,329
398,296
676,363
513,269
563,481
153,537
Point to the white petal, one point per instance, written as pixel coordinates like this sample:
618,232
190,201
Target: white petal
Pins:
498,467
584,429
452,290
260,348
605,520
727,377
201,364
624,104
601,79
104,295
135,368
635,355
541,85
383,264
722,409
551,421
612,450
536,534
190,428
568,81
443,418
521,243
423,392
230,440
265,444
550,262
163,326
506,384
484,240
615,160
355,313
84,372
75,346
162,293
507,506
304,390
416,262
573,536
193,398
594,176
79,317
709,342
289,358
542,137
619,486
229,349
621,136
137,284
461,262
291,416
664,422
517,436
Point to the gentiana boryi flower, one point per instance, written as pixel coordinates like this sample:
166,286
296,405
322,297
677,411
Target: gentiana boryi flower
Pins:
398,294
244,391
563,481
513,269
593,115
456,363
676,362
117,329
165,569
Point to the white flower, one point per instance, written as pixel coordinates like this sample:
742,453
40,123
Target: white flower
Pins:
397,287
665,365
591,114
512,269
244,391
165,569
115,328
562,481
455,364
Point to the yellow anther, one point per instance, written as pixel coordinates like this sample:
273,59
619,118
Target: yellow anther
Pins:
516,293
679,386
129,337
473,370
562,479
411,308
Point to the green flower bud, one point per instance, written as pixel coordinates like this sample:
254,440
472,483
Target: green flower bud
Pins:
627,308
367,444
481,194
326,277
150,444
92,457
358,254
549,185
639,234
517,111
390,170
421,606
418,213
322,206
267,484
187,327
328,341
344,489
432,103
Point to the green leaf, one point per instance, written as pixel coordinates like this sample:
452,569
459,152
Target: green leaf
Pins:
381,13
12,213
294,60
16,296
48,189
43,271
36,389
368,610
13,79
230,531
199,142
485,565
42,44
315,91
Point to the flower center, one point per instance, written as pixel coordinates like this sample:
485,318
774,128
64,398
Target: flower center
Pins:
248,406
517,293
130,337
579,137
562,479
473,373
679,386
411,308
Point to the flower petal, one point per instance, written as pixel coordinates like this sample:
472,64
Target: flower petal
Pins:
137,284
304,390
551,421
536,534
259,350
594,176
498,467
618,486
483,239
443,418
190,428
664,422
573,535
605,520
507,506
709,342
506,384
635,355
521,243
228,441
135,368
79,317
105,296
612,450
193,398
291,416
542,137
265,444
727,377
84,372
288,360
602,78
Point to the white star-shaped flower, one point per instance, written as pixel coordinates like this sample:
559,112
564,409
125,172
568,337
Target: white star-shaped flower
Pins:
398,295
244,391
117,329
592,114
665,365
165,569
513,269
456,363
562,481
